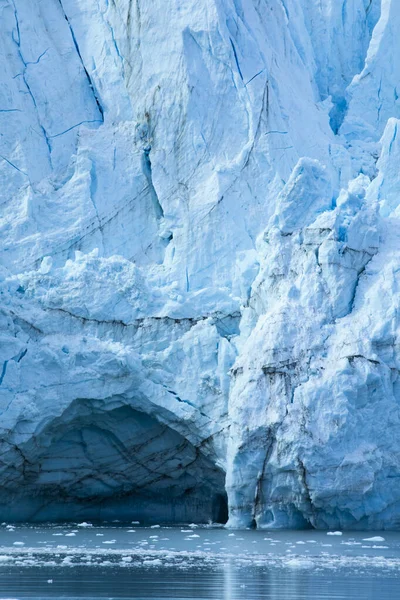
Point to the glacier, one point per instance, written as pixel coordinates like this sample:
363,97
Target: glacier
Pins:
199,258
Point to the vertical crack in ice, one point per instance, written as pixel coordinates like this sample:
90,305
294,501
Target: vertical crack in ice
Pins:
91,84
258,497
148,173
379,100
114,41
21,356
263,113
16,358
303,479
356,284
115,44
285,10
93,189
236,59
3,371
344,11
392,141
17,41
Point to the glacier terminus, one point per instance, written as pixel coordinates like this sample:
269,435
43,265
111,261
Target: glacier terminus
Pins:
200,262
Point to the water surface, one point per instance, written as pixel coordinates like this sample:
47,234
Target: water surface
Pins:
188,562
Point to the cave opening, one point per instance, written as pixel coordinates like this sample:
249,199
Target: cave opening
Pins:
119,464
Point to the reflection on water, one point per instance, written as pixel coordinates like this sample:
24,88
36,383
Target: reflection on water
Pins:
226,583
81,561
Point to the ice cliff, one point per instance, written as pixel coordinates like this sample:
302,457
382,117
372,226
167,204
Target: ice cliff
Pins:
199,265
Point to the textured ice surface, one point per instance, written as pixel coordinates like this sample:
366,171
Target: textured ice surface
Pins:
199,261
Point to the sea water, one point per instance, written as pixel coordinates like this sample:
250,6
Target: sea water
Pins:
191,562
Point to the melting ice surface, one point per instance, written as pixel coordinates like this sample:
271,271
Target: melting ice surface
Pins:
85,561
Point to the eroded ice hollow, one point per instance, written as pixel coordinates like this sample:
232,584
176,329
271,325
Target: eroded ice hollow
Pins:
106,465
